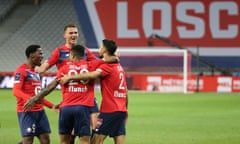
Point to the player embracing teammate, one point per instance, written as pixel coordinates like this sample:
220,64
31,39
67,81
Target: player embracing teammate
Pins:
114,106
112,119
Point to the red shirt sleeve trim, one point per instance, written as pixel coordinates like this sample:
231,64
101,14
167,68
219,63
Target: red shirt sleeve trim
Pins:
47,103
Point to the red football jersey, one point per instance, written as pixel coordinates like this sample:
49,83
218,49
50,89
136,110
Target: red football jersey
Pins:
113,88
60,56
27,83
78,92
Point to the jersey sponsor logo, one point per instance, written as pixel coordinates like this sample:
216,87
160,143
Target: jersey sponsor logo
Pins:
77,89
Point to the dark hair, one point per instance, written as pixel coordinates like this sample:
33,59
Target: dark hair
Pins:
31,49
69,26
78,50
110,45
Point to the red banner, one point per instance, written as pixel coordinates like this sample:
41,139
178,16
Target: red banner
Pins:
213,23
174,83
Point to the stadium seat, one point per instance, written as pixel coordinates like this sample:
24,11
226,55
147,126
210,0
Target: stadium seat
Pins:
44,28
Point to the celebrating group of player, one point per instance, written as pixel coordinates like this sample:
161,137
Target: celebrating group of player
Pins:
78,110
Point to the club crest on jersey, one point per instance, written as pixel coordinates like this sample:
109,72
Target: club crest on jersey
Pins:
17,77
99,123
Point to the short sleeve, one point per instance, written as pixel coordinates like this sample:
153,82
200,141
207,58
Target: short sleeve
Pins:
53,57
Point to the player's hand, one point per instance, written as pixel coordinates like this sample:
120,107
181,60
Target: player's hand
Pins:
63,80
36,68
28,105
56,108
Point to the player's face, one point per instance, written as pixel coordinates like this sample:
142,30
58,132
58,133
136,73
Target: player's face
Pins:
101,50
71,35
37,57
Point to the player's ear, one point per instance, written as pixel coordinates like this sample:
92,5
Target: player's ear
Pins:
105,50
102,49
31,55
64,35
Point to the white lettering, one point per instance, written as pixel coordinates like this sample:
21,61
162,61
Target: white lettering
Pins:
172,82
37,89
192,84
77,89
170,88
119,94
148,20
200,24
7,82
47,79
122,22
171,85
236,84
181,14
214,18
153,83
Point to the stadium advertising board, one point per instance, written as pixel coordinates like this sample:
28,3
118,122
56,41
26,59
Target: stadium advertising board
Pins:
211,24
174,83
160,83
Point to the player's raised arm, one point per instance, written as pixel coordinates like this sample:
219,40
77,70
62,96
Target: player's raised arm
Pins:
83,76
44,92
43,68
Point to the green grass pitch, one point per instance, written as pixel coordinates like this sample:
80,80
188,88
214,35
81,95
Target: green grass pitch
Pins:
154,118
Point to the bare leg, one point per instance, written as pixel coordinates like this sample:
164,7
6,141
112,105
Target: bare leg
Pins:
44,138
27,140
84,139
93,119
98,139
65,139
72,138
120,139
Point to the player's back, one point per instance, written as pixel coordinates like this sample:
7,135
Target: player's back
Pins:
77,92
113,88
